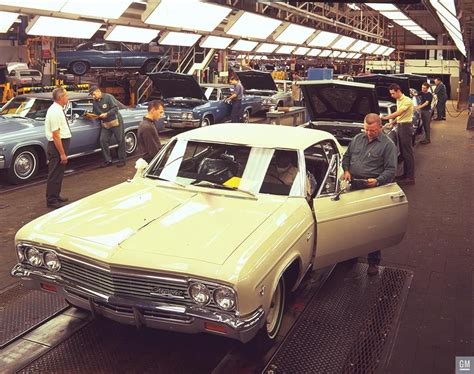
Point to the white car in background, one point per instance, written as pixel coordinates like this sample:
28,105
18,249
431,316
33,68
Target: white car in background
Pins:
19,75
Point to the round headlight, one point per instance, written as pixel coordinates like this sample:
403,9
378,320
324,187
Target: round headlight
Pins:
199,293
224,298
34,257
51,261
190,116
20,250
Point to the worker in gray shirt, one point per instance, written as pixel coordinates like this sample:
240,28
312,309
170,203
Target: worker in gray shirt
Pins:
442,96
107,108
370,161
148,141
236,99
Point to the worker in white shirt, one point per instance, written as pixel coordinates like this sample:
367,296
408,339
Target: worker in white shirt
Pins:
58,133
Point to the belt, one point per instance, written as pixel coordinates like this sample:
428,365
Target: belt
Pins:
405,123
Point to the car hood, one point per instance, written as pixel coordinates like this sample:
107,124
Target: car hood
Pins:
135,219
339,100
256,80
382,82
10,125
177,85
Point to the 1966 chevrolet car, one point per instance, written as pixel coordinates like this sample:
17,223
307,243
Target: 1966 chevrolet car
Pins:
210,236
23,145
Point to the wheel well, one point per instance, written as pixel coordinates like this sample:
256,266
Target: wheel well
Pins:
155,60
210,116
249,110
84,61
291,274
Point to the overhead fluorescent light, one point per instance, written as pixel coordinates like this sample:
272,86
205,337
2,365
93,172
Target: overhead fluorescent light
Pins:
97,9
60,27
381,50
130,34
52,5
285,49
343,42
244,45
314,52
449,5
395,15
353,6
6,21
325,53
181,39
358,55
294,34
358,45
323,39
371,48
185,14
351,55
388,52
335,54
250,25
301,51
216,42
266,48
405,22
343,55
382,7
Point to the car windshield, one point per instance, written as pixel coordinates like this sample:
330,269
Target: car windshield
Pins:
228,166
26,107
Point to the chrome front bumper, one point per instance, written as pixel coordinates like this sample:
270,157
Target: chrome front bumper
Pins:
179,124
139,312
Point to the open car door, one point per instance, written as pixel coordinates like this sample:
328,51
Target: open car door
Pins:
352,224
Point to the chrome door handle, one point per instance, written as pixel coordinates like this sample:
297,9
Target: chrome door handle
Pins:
400,196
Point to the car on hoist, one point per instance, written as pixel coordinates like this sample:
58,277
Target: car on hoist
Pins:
189,105
23,144
106,55
209,237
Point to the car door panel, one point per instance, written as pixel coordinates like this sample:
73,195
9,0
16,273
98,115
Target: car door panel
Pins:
359,222
85,132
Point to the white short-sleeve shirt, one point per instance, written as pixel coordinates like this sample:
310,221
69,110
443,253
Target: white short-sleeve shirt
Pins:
56,119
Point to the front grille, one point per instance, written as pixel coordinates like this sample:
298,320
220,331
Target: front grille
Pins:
112,283
174,115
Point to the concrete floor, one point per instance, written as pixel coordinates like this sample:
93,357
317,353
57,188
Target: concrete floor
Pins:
437,322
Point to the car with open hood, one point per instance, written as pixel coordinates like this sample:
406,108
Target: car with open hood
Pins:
190,105
23,144
339,107
261,83
212,234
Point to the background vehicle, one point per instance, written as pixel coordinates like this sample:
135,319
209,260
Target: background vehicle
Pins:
106,55
23,145
19,75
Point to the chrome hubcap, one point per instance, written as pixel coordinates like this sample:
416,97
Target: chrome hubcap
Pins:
25,164
246,117
130,142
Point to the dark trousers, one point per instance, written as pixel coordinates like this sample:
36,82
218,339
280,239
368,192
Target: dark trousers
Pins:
426,123
405,133
236,112
55,171
373,258
105,135
441,108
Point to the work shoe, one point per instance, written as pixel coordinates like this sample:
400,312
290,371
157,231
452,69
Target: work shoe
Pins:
106,164
121,164
63,199
372,269
53,204
425,142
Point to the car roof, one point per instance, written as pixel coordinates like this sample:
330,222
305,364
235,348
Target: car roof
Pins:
49,95
258,135
337,82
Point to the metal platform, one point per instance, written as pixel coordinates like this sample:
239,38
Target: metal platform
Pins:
348,326
21,310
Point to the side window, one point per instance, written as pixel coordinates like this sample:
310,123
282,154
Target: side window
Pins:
322,160
80,107
330,183
225,92
281,173
213,96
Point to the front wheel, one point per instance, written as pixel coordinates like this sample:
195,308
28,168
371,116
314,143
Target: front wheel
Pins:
246,116
206,121
131,142
24,166
79,68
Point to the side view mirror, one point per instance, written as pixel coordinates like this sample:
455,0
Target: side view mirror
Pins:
140,166
75,116
343,187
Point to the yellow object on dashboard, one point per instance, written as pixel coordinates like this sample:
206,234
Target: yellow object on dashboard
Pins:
233,182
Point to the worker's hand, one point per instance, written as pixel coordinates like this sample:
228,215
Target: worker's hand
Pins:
102,115
417,108
372,182
63,159
346,176
382,118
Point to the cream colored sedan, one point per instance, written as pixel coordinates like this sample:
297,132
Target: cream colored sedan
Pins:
211,236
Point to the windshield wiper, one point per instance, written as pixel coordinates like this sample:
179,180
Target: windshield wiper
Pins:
151,176
204,183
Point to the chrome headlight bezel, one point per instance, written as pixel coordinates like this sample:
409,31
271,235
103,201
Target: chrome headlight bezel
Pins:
201,289
54,263
221,293
34,257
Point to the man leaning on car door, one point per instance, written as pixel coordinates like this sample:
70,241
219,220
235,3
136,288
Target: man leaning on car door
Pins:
370,161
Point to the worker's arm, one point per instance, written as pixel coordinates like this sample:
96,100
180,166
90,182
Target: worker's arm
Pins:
59,146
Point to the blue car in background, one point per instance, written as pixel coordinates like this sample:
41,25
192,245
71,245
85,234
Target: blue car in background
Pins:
106,55
23,145
189,105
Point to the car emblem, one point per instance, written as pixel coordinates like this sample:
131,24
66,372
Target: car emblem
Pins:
168,292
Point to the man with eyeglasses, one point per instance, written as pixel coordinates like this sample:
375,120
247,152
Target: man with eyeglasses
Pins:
370,161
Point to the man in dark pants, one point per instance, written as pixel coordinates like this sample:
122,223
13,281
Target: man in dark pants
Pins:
442,95
106,107
404,118
370,161
236,100
58,133
425,111
148,141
